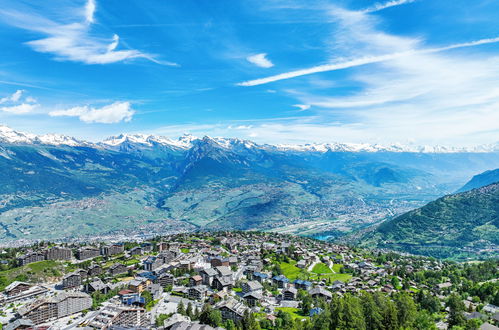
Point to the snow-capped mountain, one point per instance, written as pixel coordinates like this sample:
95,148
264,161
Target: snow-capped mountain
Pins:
125,141
8,135
217,183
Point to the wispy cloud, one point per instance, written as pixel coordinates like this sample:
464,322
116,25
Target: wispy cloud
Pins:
302,107
12,98
89,11
413,93
380,6
73,41
109,114
260,60
362,61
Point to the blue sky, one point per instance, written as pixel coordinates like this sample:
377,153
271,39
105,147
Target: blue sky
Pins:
421,71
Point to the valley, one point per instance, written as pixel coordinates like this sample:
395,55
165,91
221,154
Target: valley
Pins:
61,188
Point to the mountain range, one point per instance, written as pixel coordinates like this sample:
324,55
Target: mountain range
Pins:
481,180
57,187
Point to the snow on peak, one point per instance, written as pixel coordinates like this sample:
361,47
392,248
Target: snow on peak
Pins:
8,135
58,139
186,141
183,142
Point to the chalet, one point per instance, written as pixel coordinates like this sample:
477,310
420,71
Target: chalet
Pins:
252,298
260,277
289,293
233,261
87,253
161,246
94,270
252,286
223,271
166,279
249,271
198,292
147,247
195,280
152,263
302,285
16,287
110,250
137,285
281,281
489,308
117,269
155,289
149,275
167,256
135,251
302,264
320,292
222,283
96,286
72,280
231,309
208,275
187,264
219,261
217,296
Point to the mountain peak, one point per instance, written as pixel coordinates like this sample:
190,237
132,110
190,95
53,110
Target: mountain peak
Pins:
8,135
186,141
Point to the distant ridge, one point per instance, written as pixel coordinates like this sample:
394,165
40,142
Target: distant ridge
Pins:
455,226
481,180
8,135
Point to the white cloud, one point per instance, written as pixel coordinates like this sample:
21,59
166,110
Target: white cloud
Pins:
302,107
89,11
380,6
260,60
427,95
362,61
74,41
16,105
12,98
109,114
20,109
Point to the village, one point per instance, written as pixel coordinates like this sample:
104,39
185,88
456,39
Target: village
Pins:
212,280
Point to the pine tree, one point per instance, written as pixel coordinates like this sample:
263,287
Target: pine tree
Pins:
189,311
249,321
181,308
372,312
407,310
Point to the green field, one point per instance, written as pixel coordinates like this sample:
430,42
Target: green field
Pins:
337,268
335,277
290,270
321,268
320,271
295,312
34,272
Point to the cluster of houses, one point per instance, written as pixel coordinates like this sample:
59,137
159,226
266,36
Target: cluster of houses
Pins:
233,272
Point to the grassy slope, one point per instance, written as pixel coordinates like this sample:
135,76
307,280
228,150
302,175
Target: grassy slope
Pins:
455,226
34,272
